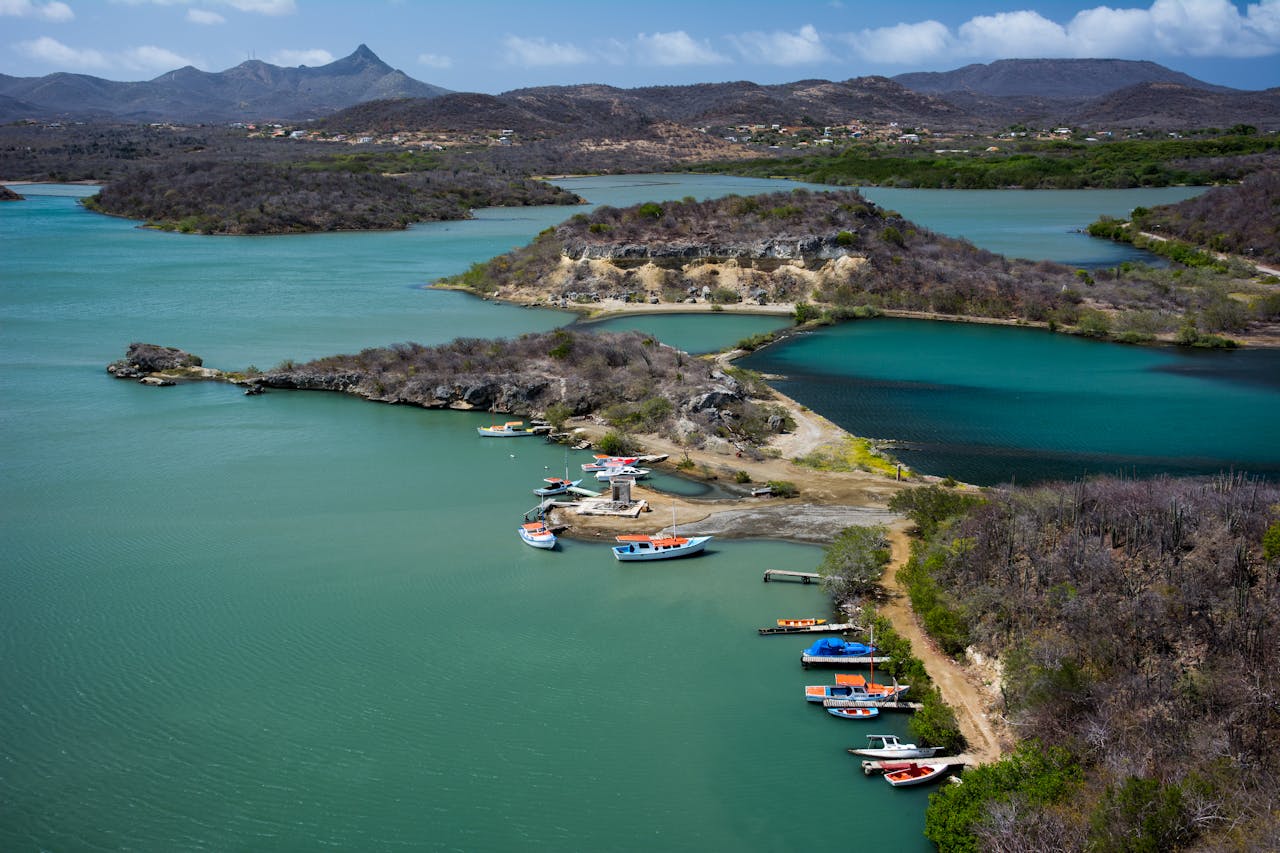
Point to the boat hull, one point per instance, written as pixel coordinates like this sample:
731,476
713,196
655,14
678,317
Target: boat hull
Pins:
637,552
891,754
537,535
917,774
854,713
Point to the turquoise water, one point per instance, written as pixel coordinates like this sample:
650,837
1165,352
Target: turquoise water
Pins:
989,404
299,620
695,333
1035,224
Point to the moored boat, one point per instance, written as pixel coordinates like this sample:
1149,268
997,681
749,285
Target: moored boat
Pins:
889,747
603,462
800,623
854,687
622,471
831,647
537,534
635,548
854,713
555,486
914,774
511,429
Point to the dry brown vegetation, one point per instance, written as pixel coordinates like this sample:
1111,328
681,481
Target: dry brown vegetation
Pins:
1240,220
627,379
1138,627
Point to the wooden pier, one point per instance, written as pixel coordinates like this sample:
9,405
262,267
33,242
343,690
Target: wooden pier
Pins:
803,577
879,766
807,660
838,628
883,704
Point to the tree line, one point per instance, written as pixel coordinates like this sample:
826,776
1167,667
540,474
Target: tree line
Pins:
211,197
1137,626
903,266
1063,164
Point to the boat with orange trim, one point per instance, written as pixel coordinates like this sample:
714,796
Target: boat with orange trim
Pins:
800,623
537,534
855,687
511,429
854,713
635,548
913,774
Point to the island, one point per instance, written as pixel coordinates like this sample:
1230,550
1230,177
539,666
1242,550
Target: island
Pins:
830,256
218,197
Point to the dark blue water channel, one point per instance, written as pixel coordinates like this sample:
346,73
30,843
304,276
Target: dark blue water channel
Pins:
988,404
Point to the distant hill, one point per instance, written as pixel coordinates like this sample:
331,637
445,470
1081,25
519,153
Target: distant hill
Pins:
1171,106
1048,78
593,109
251,91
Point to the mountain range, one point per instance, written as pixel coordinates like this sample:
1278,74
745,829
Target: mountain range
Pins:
362,93
253,90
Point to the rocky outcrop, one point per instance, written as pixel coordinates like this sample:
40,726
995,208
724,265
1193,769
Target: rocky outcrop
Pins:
7,194
143,360
822,247
627,378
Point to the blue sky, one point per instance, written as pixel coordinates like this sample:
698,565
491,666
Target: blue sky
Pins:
497,45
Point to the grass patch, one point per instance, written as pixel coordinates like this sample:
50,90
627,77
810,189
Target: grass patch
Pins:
852,454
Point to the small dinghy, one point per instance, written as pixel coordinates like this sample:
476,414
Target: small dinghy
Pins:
914,774
854,713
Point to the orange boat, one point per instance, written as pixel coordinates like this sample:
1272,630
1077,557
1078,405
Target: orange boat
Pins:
914,774
800,623
854,687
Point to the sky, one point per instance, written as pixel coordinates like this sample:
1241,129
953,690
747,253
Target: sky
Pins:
498,45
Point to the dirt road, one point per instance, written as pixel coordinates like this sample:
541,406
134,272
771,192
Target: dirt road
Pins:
960,687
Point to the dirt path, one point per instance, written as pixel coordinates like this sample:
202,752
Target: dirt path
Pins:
958,685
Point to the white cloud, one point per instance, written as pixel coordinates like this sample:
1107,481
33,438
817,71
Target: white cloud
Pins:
538,51
314,56
143,58
435,60
1012,34
902,44
204,17
676,48
264,7
254,7
151,58
55,12
783,48
1200,28
56,53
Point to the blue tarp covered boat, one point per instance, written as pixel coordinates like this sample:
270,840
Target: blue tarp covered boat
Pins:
830,647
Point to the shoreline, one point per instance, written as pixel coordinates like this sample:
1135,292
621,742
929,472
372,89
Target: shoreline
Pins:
1267,337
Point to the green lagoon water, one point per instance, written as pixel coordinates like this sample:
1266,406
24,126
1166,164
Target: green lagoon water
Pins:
299,621
1035,224
994,404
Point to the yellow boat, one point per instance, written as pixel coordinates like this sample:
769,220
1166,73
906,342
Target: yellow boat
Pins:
800,623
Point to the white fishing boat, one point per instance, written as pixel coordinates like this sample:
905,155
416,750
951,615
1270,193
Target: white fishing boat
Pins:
537,534
603,462
914,774
555,486
889,747
622,471
511,429
637,548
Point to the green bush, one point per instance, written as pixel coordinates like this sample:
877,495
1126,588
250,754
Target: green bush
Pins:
854,562
615,443
1035,775
783,488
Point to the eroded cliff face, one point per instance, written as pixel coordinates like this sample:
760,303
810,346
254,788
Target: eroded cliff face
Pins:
779,273
627,379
